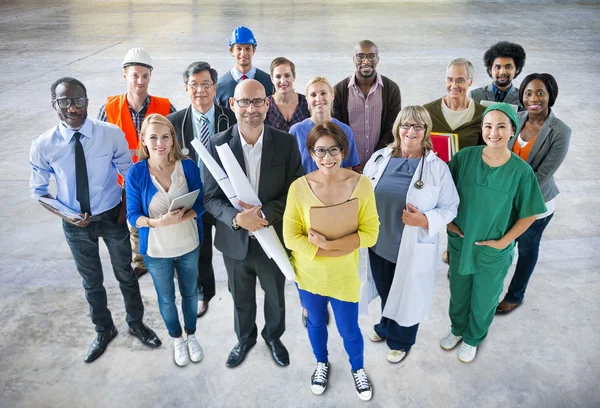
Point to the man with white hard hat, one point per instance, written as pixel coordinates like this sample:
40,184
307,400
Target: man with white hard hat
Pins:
128,111
242,46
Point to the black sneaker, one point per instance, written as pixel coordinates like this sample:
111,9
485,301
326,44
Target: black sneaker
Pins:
363,386
318,380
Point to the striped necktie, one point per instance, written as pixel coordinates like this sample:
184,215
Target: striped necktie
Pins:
204,136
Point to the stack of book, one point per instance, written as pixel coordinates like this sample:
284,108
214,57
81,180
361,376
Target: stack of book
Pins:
445,145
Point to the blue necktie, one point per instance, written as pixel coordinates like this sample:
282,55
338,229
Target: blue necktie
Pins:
204,136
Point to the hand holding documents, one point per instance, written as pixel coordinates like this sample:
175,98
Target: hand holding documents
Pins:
185,201
59,208
335,221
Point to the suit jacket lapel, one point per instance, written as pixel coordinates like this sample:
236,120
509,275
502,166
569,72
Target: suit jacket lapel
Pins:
268,149
489,93
541,137
236,147
188,129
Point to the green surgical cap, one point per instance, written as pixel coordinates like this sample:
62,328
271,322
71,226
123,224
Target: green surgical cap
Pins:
508,110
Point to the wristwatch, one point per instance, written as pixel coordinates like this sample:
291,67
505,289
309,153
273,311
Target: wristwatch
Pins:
234,224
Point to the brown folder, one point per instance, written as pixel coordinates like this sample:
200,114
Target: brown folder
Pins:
335,221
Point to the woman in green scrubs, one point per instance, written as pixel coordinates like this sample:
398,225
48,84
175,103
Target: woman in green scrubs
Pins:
499,199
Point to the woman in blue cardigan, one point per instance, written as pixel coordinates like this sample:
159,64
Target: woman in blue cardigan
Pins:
169,240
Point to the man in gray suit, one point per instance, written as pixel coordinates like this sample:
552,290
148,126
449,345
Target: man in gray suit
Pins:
271,161
503,61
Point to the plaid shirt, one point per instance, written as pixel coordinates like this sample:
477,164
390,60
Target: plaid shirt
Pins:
275,118
138,117
364,115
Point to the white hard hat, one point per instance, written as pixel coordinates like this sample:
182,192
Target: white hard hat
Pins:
137,56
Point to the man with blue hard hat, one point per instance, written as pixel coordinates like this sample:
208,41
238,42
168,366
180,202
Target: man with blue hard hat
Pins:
242,46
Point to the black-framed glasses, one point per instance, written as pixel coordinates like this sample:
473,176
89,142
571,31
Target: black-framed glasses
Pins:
371,57
333,151
65,103
244,103
416,127
204,86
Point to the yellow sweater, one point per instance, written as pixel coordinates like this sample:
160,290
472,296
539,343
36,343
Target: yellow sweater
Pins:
335,277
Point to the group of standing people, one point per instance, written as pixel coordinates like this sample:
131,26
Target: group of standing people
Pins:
328,147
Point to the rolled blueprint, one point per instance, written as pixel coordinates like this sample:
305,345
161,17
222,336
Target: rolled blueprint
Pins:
217,172
266,237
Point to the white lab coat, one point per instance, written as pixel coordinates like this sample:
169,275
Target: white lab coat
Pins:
411,294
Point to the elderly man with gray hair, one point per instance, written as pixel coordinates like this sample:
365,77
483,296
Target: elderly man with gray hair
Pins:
457,112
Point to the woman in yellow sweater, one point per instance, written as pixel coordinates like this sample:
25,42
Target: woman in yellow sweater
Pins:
327,270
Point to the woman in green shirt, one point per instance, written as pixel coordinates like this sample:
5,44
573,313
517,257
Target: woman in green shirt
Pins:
499,199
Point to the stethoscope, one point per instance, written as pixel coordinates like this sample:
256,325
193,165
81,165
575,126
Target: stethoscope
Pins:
221,116
419,183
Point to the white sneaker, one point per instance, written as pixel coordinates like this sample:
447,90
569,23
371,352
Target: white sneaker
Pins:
375,337
467,353
450,341
194,348
181,352
318,380
362,384
395,356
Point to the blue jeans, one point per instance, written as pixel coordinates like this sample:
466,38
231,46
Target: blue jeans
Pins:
529,249
162,271
396,337
346,319
83,242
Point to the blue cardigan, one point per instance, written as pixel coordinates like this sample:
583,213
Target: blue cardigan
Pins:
140,190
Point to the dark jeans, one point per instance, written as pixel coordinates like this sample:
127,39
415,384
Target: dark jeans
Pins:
529,248
397,337
206,273
83,242
241,277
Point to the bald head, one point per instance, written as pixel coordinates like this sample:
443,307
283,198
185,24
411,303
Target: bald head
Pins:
367,45
249,89
250,105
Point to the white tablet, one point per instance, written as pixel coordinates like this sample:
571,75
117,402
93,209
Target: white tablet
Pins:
186,201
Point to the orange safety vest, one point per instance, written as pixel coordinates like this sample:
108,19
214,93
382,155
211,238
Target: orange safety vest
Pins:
117,112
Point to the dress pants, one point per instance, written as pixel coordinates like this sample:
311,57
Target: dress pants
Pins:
83,242
206,273
241,279
397,337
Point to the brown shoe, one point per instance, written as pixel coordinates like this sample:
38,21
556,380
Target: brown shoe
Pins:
202,307
446,257
139,271
506,307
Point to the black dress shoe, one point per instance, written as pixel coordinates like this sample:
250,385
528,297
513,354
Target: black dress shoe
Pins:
237,355
202,308
146,335
99,344
279,352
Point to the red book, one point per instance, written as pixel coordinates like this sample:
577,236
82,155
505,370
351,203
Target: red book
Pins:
442,145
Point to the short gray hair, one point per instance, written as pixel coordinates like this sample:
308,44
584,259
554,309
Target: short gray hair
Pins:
463,62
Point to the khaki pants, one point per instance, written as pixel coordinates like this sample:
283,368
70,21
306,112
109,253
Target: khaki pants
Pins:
137,259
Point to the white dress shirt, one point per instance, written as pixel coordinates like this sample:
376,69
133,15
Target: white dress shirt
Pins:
252,159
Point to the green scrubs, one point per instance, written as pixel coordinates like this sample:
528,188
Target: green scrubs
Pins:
492,199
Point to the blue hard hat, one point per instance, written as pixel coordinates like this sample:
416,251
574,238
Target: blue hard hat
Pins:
242,35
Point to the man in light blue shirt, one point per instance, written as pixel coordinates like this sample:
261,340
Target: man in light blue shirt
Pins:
201,120
242,46
84,155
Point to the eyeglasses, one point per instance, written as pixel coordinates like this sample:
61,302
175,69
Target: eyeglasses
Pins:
370,57
204,86
333,151
64,103
417,128
244,103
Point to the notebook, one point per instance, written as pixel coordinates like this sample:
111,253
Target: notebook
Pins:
335,221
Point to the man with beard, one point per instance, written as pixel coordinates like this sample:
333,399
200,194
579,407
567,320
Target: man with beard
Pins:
128,111
504,61
201,120
242,46
84,157
271,161
368,102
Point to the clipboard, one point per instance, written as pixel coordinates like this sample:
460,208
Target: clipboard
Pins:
185,201
335,221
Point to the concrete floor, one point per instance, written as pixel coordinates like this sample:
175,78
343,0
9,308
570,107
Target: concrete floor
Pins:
543,355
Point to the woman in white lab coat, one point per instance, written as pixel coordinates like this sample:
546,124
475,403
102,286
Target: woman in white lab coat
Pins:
415,198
